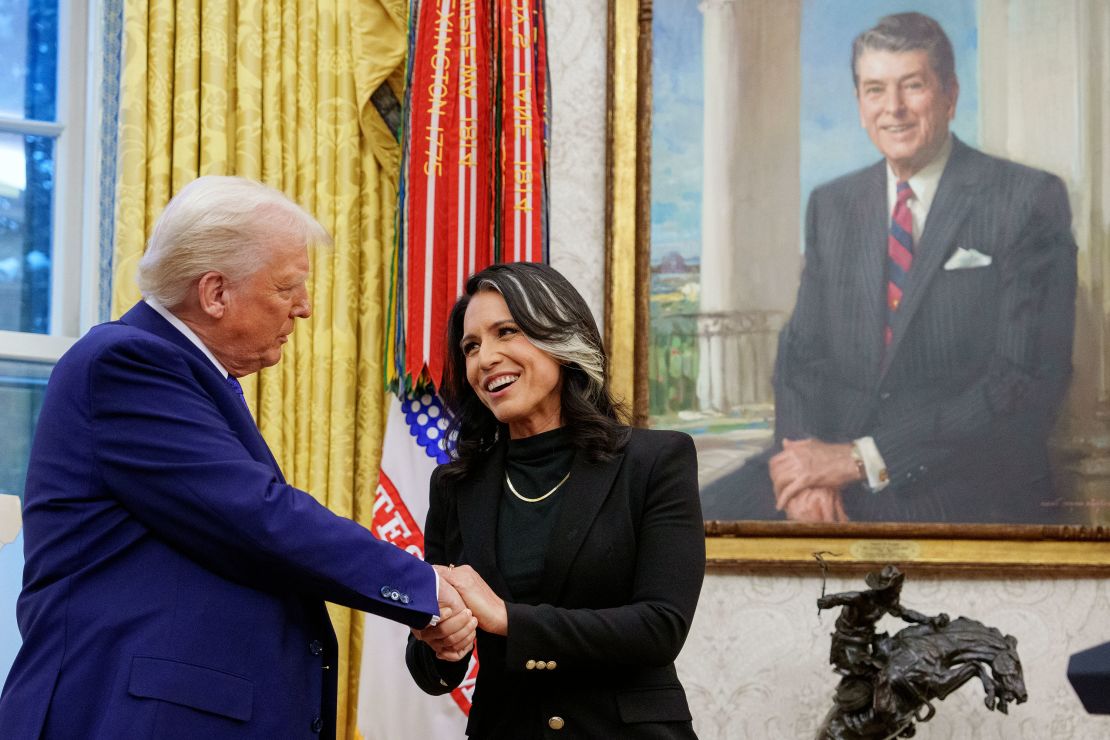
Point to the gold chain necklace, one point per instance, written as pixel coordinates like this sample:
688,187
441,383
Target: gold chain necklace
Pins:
516,493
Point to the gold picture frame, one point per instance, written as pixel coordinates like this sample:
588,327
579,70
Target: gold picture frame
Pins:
775,546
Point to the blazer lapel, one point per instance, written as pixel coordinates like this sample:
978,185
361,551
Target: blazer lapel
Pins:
872,215
479,501
584,493
954,199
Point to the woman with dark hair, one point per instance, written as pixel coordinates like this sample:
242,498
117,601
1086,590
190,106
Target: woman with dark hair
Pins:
576,541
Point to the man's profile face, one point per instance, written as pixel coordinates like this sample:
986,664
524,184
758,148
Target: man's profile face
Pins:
261,310
903,107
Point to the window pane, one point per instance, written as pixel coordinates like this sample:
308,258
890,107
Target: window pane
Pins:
26,209
22,385
28,58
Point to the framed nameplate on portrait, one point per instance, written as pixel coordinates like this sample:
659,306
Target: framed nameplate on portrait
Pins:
748,140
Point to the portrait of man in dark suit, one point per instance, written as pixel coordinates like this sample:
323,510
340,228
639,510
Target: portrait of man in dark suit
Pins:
929,349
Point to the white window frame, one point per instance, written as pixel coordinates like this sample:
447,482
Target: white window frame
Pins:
75,220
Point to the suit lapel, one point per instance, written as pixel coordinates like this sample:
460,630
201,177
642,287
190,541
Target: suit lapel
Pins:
479,501
954,199
871,211
587,488
142,316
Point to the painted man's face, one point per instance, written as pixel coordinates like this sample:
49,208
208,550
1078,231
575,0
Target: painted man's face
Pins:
903,107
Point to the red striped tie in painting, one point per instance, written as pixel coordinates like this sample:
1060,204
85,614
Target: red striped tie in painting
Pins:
899,256
473,185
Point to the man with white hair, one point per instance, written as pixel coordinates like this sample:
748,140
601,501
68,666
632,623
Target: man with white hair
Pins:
174,582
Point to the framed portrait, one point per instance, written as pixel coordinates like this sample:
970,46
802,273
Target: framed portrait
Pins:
755,301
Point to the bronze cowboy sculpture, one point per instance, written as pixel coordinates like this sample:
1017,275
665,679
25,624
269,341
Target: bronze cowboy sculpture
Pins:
888,683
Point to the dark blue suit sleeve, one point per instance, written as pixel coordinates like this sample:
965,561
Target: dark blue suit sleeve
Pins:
432,675
173,460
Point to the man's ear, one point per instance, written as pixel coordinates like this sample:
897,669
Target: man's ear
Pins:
212,294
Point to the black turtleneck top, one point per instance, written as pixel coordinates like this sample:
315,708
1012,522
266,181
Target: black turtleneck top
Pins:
535,465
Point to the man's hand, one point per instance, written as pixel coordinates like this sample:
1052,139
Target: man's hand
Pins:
816,505
480,598
810,463
453,636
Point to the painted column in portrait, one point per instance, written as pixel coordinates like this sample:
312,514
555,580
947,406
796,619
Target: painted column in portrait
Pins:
751,198
1057,117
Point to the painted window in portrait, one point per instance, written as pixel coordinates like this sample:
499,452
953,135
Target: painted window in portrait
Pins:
864,266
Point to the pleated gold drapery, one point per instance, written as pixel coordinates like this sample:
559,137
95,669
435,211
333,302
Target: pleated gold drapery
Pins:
279,91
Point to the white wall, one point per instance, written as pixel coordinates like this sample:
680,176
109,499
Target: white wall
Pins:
756,663
576,33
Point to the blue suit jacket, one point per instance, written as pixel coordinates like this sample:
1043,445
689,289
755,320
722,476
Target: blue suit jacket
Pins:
174,582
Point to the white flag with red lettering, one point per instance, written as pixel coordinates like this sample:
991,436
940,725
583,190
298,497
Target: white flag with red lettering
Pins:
390,706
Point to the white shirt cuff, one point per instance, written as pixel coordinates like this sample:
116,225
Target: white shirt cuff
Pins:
435,617
877,476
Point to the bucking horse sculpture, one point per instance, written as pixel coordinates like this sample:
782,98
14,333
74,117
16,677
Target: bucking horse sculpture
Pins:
889,683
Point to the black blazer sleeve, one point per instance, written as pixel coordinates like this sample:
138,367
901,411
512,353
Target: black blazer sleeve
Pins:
432,675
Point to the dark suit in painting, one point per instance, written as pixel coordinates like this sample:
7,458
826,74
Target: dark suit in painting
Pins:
621,579
961,403
175,583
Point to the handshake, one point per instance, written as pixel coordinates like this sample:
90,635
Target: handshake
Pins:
466,602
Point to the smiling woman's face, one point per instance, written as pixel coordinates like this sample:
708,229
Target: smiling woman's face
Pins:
519,382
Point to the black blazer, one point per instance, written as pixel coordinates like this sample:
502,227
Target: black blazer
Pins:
623,572
962,402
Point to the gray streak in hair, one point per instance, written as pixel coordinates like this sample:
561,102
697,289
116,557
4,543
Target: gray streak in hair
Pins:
569,348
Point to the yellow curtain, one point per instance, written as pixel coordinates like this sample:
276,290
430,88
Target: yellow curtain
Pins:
279,91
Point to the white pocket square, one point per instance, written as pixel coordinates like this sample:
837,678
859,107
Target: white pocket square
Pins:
965,259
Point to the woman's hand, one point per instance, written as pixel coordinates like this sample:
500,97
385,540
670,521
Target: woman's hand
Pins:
453,636
487,606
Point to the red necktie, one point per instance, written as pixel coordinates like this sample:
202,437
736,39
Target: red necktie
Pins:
899,249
